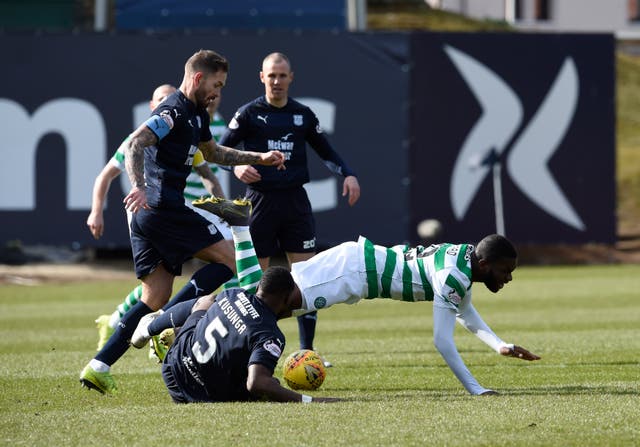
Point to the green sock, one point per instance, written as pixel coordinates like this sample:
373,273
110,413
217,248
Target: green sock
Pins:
130,301
233,282
249,271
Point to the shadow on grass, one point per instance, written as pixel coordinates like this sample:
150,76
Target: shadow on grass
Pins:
570,390
588,364
450,394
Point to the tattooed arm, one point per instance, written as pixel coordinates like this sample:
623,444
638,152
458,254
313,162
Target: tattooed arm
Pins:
209,180
134,163
224,155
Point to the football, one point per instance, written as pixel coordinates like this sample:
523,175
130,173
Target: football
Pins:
304,370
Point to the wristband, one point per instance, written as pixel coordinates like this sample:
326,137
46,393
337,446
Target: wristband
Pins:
306,399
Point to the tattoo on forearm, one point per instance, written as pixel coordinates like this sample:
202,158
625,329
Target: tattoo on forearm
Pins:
134,154
207,149
209,180
228,156
216,188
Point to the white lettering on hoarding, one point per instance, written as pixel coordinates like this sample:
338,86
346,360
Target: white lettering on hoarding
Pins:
323,194
82,128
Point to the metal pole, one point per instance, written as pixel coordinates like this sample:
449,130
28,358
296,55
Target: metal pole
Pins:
356,15
497,199
100,14
510,11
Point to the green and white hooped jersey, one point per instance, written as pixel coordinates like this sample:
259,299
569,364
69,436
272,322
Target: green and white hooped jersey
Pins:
441,271
352,271
195,189
117,159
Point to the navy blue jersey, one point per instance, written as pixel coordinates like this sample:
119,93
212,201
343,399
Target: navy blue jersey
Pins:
169,162
263,127
238,330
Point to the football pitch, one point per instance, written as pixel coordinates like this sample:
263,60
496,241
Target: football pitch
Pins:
584,321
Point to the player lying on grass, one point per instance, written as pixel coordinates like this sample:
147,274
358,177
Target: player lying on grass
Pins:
227,350
351,271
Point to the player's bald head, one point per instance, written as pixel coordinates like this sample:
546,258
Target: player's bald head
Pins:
276,58
161,92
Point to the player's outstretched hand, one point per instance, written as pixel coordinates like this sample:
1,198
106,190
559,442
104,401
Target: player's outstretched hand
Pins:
273,158
518,352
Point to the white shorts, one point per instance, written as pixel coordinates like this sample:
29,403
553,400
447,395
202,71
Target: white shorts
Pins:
221,225
331,277
340,275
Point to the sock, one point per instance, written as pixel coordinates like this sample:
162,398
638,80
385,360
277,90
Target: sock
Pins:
232,283
307,329
99,366
129,301
207,279
119,342
172,318
249,271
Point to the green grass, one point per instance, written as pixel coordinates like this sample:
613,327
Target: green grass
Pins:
583,321
415,14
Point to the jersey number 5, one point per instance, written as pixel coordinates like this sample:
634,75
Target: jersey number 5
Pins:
215,326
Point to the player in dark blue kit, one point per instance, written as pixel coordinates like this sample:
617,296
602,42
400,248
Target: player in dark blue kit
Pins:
282,218
228,349
164,232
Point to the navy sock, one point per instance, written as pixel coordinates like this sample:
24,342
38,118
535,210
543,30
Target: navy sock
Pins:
207,279
119,342
307,329
172,318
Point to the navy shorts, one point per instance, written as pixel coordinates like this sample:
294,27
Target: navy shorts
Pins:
282,220
169,236
182,388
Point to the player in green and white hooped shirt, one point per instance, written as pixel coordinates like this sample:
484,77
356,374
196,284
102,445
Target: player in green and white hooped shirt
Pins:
441,273
208,182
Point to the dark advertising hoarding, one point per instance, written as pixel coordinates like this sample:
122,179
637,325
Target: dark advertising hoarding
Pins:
436,125
514,133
